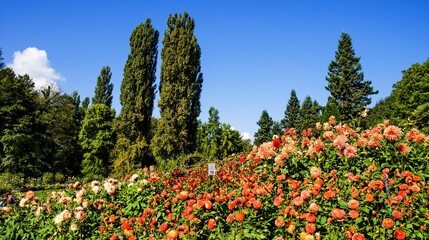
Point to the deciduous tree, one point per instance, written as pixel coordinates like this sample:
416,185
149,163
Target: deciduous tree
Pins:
180,89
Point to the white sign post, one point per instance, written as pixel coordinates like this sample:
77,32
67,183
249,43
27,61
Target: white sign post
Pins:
212,169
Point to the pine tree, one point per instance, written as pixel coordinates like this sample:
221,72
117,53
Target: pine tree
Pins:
349,91
292,112
180,89
103,90
330,109
264,133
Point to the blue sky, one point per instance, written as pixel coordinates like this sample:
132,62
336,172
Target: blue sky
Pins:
253,52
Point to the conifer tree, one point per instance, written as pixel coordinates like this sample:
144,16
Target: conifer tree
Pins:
103,90
137,99
180,89
264,133
292,112
309,114
349,91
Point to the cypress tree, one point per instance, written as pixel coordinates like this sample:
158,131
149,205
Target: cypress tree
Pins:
292,111
264,133
103,90
180,89
137,98
349,91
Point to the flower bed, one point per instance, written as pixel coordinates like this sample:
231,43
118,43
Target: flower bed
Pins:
331,182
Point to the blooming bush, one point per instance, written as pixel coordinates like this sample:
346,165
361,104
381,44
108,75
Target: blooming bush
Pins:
330,182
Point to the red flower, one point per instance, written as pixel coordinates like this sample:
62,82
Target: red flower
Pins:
163,227
276,143
279,222
338,213
397,214
114,237
239,217
358,236
388,223
369,198
102,229
314,207
126,226
354,214
353,204
211,223
310,217
399,234
257,204
230,218
298,201
310,228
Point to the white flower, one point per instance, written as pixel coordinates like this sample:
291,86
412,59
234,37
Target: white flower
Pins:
134,177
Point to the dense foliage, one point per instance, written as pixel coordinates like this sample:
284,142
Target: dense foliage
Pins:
179,89
97,139
264,132
290,119
137,100
103,89
409,100
331,182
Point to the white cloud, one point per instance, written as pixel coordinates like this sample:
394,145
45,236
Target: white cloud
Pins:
35,63
245,135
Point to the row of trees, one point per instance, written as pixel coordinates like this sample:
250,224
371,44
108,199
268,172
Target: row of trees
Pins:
406,106
349,96
46,131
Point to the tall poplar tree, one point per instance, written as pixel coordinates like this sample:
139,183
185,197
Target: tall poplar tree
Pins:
292,111
137,99
264,133
180,89
349,91
103,90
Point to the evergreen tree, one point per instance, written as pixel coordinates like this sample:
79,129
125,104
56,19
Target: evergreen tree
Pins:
292,112
97,139
211,135
264,133
103,90
330,109
137,99
305,114
349,91
180,89
277,128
